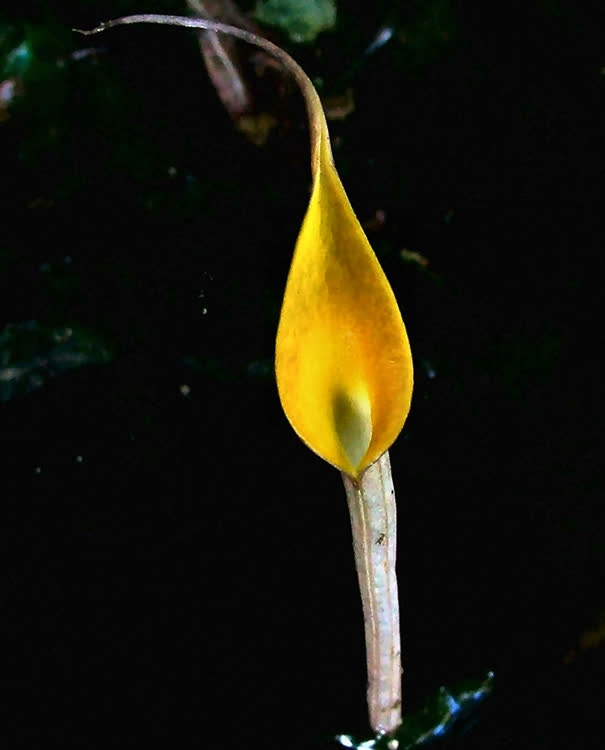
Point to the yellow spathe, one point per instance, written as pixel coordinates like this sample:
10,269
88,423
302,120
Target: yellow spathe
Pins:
343,360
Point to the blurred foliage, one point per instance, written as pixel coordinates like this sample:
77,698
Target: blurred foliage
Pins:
301,21
31,354
445,715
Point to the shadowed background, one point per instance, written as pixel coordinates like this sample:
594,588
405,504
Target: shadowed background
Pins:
177,565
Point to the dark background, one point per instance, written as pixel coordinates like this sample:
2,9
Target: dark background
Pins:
177,565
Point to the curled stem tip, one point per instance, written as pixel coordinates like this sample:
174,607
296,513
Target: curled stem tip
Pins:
317,123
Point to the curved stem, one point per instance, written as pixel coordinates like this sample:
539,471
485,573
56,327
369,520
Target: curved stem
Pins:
317,121
374,524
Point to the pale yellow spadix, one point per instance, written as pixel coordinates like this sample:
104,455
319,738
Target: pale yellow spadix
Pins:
343,361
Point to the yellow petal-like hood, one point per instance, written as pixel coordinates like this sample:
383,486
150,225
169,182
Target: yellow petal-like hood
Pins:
343,360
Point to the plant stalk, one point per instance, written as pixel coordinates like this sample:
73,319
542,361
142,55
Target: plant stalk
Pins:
371,502
371,498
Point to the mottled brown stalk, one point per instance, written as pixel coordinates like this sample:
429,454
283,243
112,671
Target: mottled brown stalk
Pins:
374,524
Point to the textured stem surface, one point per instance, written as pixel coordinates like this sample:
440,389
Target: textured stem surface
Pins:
374,524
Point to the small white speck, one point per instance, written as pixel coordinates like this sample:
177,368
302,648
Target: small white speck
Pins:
38,470
185,389
381,38
429,369
393,744
79,459
204,311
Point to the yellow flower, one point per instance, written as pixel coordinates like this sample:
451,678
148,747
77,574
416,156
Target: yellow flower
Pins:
343,360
